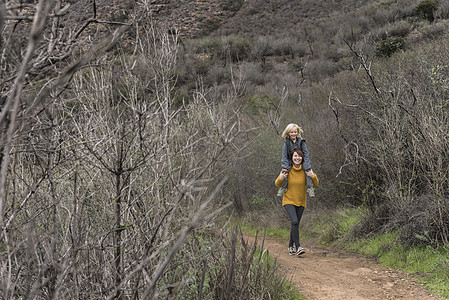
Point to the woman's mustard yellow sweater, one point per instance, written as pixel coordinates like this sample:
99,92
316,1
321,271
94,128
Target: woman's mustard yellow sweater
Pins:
296,187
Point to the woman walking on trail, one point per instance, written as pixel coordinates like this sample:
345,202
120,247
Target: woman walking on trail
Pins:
294,199
293,139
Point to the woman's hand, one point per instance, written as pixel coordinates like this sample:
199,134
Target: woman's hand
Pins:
310,173
283,175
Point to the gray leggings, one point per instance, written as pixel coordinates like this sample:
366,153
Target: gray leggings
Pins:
295,214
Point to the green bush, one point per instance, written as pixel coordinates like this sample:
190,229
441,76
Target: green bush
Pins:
389,46
255,104
425,10
227,48
210,46
237,48
210,25
202,67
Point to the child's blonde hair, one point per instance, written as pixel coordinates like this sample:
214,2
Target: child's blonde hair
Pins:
291,127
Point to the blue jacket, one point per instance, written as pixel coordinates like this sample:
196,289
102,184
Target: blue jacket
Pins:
287,149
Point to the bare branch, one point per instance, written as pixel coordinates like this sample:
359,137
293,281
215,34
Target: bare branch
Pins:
12,102
365,65
275,116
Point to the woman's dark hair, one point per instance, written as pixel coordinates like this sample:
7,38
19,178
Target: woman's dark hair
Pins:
299,153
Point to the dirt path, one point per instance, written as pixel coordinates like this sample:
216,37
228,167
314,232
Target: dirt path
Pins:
323,274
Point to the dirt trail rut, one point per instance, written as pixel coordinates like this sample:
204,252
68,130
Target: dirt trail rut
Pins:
323,274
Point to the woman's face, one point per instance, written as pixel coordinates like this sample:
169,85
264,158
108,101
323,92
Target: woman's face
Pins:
297,159
293,134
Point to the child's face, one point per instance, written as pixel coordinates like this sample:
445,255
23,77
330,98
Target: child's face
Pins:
293,134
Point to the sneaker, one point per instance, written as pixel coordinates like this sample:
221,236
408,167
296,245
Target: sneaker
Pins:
291,251
281,191
311,192
300,251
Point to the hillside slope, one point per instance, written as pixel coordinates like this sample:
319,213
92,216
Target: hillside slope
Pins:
251,17
259,17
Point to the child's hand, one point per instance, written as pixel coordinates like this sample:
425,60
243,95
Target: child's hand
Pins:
283,174
310,173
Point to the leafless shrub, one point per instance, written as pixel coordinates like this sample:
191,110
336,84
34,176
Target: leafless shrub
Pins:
288,47
419,222
253,73
433,31
398,29
261,48
354,25
374,222
400,133
390,11
318,69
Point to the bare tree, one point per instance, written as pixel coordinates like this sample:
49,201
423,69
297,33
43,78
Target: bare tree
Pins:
32,144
